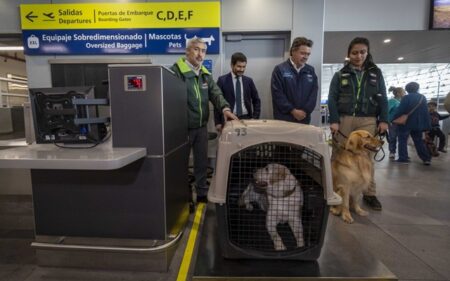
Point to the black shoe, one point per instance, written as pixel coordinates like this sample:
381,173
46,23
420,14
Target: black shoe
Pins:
372,202
442,150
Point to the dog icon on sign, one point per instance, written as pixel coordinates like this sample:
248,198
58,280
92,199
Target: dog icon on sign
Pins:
207,40
33,42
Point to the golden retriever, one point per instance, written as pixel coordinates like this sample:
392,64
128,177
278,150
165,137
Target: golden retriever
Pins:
285,198
352,170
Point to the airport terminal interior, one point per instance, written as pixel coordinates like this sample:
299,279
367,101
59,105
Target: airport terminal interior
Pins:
111,195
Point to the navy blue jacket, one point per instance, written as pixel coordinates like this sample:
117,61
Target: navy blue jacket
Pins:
251,98
419,120
292,90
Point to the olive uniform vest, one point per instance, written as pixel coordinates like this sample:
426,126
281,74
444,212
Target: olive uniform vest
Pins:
359,97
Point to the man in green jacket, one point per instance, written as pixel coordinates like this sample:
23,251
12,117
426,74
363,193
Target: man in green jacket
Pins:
201,88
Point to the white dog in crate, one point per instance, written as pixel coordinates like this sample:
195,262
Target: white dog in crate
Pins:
285,198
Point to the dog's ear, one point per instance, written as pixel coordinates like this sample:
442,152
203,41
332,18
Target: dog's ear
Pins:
353,142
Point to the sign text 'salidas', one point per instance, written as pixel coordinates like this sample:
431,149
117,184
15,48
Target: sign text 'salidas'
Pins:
72,16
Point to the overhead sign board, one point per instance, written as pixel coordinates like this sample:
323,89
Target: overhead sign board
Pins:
118,28
116,41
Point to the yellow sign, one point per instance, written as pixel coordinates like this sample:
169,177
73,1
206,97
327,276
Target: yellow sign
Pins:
120,15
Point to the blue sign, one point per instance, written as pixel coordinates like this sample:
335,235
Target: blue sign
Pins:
208,64
117,41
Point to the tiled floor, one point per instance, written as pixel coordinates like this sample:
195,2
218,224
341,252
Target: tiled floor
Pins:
411,236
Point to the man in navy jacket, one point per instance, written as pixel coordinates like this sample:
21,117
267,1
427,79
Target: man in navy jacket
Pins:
294,85
250,104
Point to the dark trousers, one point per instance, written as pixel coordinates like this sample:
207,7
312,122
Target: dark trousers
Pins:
246,116
198,141
416,136
437,132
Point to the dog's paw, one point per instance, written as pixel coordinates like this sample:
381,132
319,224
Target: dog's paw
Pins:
335,210
279,246
361,212
347,217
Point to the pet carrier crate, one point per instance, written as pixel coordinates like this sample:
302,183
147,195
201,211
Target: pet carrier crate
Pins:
272,188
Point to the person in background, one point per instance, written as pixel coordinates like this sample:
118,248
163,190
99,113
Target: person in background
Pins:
435,128
393,103
357,101
239,91
201,89
294,85
418,121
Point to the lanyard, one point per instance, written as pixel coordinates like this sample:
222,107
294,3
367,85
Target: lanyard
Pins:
358,90
359,80
199,97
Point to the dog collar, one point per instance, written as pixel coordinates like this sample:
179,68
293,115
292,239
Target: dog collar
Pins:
285,194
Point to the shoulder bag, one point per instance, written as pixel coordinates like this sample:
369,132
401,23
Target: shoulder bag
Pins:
404,117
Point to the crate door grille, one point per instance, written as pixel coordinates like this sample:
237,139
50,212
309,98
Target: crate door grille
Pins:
247,224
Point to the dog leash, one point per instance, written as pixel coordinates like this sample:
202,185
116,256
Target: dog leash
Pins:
381,137
334,142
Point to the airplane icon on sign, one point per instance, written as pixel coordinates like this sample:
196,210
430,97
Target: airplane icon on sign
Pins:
49,15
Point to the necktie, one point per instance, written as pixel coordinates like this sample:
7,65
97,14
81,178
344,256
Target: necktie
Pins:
238,97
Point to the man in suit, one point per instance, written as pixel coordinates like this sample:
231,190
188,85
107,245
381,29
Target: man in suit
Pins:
239,91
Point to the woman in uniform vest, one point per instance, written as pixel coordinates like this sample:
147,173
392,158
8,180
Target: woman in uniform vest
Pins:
357,100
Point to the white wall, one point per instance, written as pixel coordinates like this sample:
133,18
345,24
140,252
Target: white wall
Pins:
256,15
372,15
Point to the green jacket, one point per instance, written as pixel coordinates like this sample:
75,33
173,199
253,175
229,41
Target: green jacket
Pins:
200,90
370,100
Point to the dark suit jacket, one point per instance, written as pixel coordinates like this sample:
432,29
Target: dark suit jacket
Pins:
251,98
